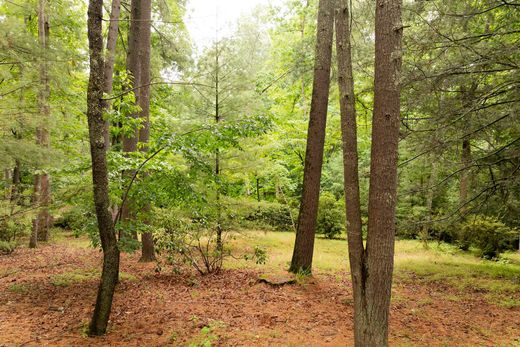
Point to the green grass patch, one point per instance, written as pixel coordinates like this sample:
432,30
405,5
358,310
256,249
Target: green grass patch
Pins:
438,263
19,288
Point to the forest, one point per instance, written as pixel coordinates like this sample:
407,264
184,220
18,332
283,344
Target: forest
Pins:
277,173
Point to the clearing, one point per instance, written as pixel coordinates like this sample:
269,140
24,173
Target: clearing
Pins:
440,296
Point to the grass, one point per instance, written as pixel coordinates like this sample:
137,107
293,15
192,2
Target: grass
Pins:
500,280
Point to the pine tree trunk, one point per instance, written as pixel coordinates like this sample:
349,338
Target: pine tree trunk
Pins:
148,251
134,69
350,163
304,244
42,192
113,28
98,148
372,328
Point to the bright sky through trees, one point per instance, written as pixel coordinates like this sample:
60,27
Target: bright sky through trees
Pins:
203,17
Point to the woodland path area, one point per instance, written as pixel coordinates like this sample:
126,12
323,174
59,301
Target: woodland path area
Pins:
46,297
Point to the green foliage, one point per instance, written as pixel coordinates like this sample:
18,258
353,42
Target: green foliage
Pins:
7,247
188,239
264,214
13,228
488,234
259,255
331,216
80,219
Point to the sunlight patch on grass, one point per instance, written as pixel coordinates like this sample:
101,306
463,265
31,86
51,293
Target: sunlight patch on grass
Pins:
438,263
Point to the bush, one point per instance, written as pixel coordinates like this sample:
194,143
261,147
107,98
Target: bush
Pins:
188,239
488,234
264,215
79,219
11,229
331,218
7,247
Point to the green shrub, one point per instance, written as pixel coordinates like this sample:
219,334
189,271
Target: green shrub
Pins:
263,215
331,218
488,234
11,229
79,219
7,247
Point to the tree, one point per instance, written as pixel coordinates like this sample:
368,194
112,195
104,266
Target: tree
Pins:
148,253
306,228
42,188
133,66
372,267
98,149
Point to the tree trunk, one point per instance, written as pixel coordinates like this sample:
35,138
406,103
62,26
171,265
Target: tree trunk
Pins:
134,69
372,320
42,192
304,244
16,180
111,55
148,252
350,161
98,148
217,151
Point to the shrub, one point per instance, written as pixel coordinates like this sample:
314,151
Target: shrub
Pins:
7,247
331,218
11,229
79,219
188,239
264,215
488,234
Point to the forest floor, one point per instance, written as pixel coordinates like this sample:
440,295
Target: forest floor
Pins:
440,297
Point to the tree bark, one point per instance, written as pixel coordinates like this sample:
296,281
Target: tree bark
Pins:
42,189
98,148
134,69
350,161
147,250
113,28
372,327
304,244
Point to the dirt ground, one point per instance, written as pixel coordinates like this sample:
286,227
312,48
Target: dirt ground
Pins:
42,304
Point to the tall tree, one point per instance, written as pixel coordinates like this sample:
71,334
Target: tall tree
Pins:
148,252
133,65
372,267
350,159
42,188
306,229
113,30
98,149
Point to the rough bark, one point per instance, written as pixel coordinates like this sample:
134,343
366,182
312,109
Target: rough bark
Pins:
304,244
110,56
98,148
372,329
42,189
148,251
134,69
350,159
